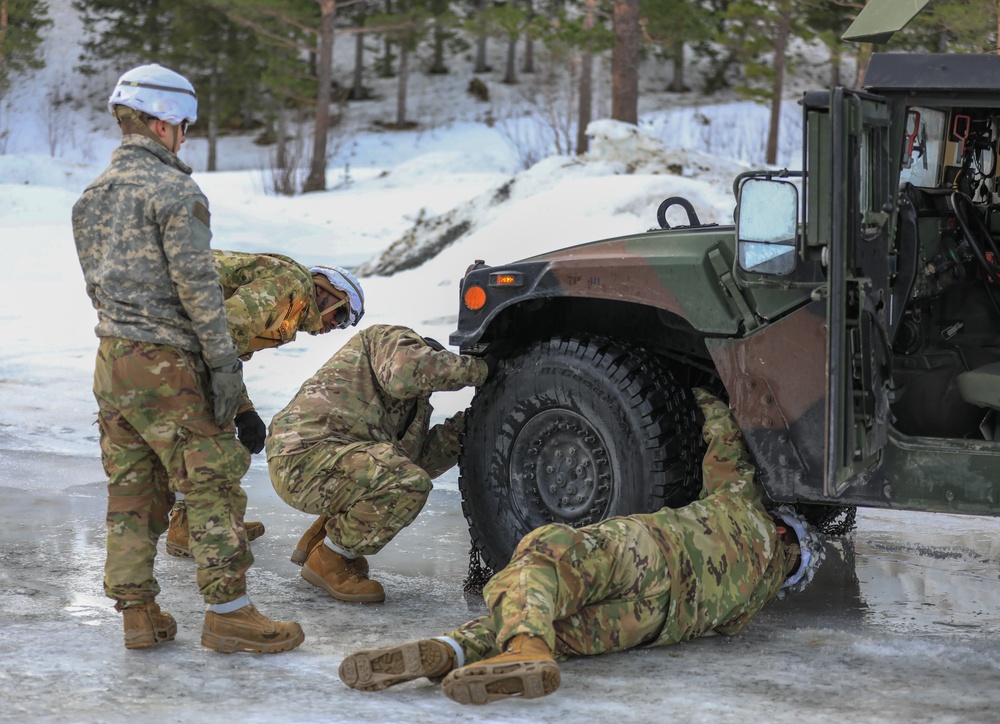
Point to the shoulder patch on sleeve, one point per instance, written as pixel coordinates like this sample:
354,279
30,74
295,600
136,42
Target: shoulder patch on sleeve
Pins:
201,213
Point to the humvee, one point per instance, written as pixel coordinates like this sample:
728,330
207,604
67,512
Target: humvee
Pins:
850,316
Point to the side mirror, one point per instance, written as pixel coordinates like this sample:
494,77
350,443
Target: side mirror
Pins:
767,222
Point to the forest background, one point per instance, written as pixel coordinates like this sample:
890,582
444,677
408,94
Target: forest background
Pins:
267,66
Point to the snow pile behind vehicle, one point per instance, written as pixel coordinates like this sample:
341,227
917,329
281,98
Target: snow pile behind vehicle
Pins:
628,161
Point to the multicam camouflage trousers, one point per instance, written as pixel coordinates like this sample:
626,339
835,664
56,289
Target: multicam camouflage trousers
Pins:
370,491
584,591
158,437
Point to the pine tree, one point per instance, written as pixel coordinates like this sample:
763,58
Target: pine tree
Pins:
405,28
761,31
672,24
830,21
953,26
305,26
220,58
508,21
21,26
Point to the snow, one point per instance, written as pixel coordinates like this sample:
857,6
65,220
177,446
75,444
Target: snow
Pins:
901,624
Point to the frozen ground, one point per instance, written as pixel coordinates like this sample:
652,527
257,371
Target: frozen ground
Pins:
903,623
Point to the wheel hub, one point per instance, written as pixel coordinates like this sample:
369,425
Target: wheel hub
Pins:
563,463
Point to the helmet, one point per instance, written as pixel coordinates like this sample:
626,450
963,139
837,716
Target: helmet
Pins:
346,283
157,91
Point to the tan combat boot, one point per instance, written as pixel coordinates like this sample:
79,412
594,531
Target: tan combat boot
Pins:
313,536
526,669
179,539
342,578
375,669
145,624
247,629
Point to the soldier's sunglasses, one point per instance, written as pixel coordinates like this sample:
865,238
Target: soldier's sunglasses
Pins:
184,128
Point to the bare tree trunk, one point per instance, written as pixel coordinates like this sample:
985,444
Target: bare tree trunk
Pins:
996,8
213,122
835,53
404,69
625,62
510,73
316,181
529,44
677,84
358,81
4,22
438,66
780,43
586,85
481,66
404,61
281,138
864,56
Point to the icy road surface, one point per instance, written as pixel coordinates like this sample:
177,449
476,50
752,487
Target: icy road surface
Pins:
902,624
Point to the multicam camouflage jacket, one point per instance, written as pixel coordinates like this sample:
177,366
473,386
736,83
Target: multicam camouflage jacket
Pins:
142,234
724,557
269,297
377,388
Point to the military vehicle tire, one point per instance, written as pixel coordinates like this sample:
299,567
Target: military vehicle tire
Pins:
574,430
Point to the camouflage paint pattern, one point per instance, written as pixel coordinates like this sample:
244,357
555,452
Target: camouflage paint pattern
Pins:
356,443
269,297
159,437
658,578
142,233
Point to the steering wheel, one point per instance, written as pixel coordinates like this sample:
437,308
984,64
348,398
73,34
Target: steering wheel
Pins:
964,210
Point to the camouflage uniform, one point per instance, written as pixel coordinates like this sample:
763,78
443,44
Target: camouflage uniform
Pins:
660,578
354,444
142,234
268,299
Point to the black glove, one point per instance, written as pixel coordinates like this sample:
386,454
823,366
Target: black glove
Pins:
227,389
434,344
492,360
251,430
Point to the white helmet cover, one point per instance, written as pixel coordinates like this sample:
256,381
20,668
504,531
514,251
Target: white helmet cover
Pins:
346,282
157,91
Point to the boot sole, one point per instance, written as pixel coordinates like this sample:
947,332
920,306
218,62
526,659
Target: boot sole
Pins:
381,668
317,580
485,683
233,644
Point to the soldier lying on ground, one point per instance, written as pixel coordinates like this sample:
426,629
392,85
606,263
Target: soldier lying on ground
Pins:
660,578
268,298
355,447
167,378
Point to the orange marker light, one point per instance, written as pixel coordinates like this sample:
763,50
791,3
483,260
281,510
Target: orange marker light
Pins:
504,280
475,298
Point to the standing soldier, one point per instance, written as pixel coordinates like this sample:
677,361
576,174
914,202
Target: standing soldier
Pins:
167,377
269,298
658,579
355,447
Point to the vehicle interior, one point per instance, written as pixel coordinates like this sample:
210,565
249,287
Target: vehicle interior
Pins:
946,342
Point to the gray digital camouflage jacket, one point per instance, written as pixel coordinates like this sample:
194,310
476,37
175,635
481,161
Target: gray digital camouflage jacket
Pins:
142,232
